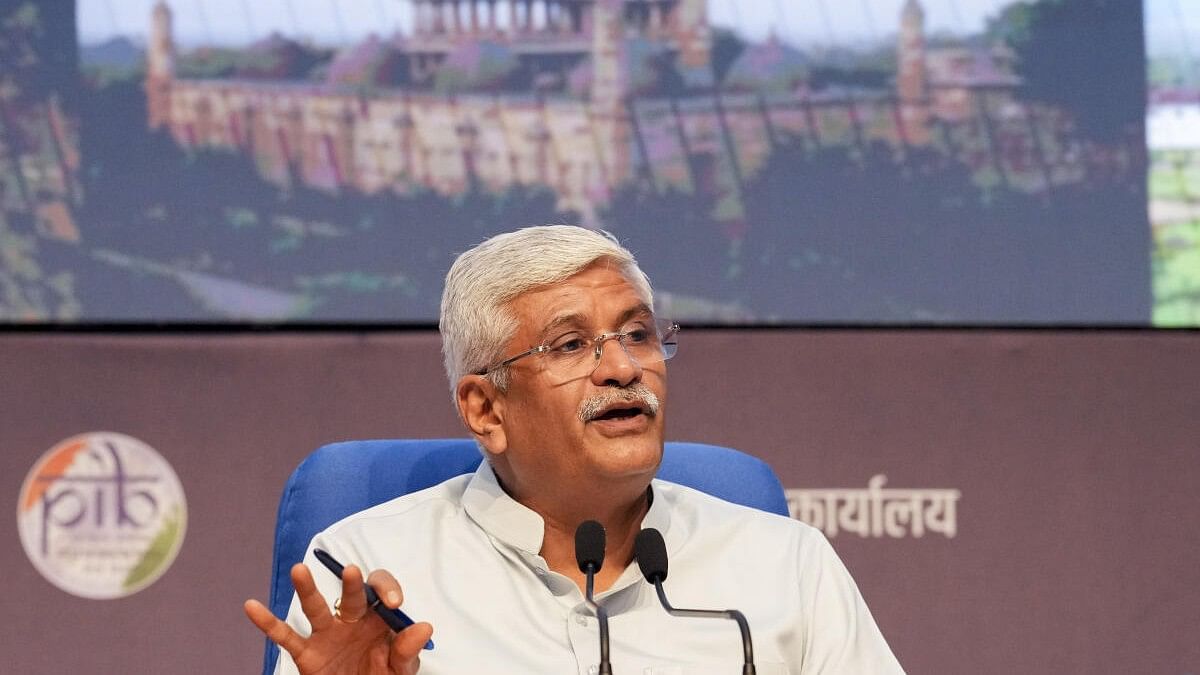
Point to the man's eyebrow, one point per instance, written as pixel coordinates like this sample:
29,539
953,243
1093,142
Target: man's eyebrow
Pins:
573,319
640,309
577,320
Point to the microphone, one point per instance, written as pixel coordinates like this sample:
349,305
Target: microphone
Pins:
589,555
651,554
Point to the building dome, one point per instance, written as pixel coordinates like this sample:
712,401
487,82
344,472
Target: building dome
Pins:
374,62
770,66
912,11
276,57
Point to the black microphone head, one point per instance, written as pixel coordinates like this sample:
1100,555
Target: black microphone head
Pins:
589,546
651,553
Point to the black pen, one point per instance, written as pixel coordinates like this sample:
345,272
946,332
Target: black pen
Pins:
394,618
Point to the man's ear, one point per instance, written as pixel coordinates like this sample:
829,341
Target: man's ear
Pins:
481,406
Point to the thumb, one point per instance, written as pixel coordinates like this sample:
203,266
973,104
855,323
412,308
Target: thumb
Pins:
405,654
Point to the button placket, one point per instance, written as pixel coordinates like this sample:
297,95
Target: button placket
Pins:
583,639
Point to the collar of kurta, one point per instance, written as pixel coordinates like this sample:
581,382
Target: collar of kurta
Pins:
515,525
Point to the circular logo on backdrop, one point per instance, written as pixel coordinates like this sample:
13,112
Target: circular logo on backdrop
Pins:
101,515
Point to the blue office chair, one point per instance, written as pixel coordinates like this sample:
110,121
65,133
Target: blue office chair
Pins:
343,478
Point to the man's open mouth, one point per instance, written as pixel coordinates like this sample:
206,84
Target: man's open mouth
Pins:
619,413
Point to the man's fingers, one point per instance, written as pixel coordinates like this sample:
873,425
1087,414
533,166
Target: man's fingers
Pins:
407,645
386,587
311,601
353,604
277,631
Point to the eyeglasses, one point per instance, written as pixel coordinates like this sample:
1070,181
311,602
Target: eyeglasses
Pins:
573,355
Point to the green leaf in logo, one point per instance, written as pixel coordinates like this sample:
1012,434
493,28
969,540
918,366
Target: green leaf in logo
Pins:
158,551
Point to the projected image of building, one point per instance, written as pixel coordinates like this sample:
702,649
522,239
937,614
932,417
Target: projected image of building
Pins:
580,96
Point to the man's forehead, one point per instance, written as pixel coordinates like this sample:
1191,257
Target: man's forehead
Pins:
573,319
574,299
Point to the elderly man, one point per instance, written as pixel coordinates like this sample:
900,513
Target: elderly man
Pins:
557,365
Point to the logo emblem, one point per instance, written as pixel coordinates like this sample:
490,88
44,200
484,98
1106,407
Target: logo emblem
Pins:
101,515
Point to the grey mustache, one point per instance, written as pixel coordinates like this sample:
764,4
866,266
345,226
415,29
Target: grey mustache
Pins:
637,393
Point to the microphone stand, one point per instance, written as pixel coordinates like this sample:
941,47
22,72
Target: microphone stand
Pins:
743,626
651,553
602,618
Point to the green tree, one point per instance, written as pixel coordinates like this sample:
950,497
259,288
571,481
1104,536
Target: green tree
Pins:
1084,55
727,46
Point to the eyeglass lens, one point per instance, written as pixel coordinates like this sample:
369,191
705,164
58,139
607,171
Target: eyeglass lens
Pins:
575,355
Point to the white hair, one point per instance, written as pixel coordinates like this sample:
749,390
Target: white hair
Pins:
476,323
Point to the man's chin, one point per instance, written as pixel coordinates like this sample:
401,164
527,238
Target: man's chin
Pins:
630,453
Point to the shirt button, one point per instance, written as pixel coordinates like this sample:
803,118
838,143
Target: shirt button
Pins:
581,620
593,669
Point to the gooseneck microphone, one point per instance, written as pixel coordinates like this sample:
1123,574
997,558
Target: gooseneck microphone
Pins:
589,555
651,554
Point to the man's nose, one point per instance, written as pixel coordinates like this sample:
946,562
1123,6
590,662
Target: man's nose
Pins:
615,365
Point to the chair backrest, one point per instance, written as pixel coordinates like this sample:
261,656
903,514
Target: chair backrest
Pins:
343,478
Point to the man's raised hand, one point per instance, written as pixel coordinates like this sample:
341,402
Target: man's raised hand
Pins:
351,641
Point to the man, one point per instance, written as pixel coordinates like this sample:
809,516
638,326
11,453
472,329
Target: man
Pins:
557,365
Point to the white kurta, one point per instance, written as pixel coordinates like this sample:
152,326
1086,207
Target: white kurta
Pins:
466,555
